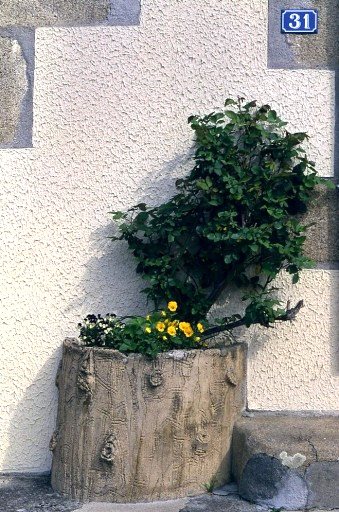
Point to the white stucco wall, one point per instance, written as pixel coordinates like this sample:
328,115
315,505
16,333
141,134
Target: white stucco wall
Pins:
110,129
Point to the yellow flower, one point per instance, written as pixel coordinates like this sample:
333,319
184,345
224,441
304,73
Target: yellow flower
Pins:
148,330
197,338
188,331
183,325
160,326
164,338
171,330
172,306
148,318
200,327
163,313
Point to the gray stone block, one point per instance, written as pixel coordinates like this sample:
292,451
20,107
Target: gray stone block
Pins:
266,481
322,243
13,86
323,483
34,13
292,51
37,13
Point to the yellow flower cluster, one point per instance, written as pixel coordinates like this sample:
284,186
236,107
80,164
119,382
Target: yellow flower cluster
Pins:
171,327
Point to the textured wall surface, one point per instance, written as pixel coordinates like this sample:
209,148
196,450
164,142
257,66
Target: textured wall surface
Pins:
110,129
295,366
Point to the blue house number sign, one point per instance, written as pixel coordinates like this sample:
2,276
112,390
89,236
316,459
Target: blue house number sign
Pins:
299,21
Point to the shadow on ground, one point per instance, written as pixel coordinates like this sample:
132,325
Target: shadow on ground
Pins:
26,494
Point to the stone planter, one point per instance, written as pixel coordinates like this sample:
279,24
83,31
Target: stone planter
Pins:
132,429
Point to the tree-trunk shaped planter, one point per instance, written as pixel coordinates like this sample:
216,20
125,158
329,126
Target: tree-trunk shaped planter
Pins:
131,428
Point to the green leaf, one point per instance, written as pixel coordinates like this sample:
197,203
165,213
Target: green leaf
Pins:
295,278
232,115
229,101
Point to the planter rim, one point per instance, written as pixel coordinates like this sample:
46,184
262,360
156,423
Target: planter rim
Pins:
176,354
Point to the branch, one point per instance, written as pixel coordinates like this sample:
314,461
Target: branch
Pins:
217,291
289,315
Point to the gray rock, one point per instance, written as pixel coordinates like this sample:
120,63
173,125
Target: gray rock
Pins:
292,494
323,483
37,13
267,482
261,478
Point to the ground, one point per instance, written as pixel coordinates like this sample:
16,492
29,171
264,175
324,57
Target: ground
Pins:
27,494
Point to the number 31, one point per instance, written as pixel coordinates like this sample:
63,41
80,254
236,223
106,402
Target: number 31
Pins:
296,23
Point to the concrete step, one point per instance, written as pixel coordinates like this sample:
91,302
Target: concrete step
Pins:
289,462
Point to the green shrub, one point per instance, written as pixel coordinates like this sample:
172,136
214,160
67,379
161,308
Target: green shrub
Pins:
235,220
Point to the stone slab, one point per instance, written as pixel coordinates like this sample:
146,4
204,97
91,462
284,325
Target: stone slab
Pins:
13,86
38,13
323,483
317,438
293,51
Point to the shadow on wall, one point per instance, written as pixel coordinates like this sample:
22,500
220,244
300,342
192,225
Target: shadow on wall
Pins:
110,283
33,422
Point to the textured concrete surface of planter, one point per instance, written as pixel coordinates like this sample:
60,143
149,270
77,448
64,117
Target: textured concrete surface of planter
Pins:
131,428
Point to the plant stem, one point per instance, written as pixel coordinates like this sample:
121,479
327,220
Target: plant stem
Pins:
289,315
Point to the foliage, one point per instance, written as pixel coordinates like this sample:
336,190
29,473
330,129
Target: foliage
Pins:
157,332
211,485
234,219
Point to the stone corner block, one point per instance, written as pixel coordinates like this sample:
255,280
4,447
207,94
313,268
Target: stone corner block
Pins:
16,81
295,51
